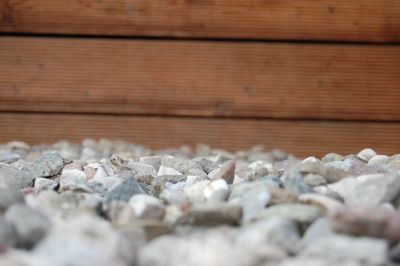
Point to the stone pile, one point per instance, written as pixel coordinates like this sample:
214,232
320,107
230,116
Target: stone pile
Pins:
115,203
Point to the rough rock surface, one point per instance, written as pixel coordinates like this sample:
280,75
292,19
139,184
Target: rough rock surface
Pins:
116,203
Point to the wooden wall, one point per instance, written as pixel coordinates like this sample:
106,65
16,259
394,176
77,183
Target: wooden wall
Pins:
306,76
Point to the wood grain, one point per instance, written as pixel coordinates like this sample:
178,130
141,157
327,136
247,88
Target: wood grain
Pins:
187,78
355,20
302,138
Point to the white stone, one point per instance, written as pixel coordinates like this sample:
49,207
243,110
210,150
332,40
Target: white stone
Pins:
378,160
372,189
167,171
143,169
338,248
85,240
147,207
327,203
366,154
44,183
219,184
73,179
196,191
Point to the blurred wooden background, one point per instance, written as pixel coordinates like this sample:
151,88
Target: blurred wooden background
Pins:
306,76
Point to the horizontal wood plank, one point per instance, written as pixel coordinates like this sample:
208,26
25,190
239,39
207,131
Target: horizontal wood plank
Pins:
355,20
272,80
302,138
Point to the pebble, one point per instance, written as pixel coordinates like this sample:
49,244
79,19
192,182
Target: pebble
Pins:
31,225
213,248
366,154
159,183
301,213
320,228
212,215
116,203
339,248
378,160
13,178
163,170
73,179
195,192
294,182
215,187
9,197
184,166
45,184
353,166
226,172
8,234
142,169
252,196
147,207
314,180
124,191
86,240
155,161
331,157
49,164
7,156
281,232
371,189
279,195
327,203
378,222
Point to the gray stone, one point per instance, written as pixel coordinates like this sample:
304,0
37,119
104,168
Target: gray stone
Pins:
372,189
8,234
49,164
320,228
9,197
354,166
366,154
377,222
300,261
277,231
310,165
173,193
147,207
378,160
31,225
73,179
45,184
331,157
13,178
226,171
155,161
313,180
86,240
212,215
8,156
211,248
142,169
252,196
301,213
294,182
124,191
207,164
184,166
217,190
338,248
326,203
159,183
195,192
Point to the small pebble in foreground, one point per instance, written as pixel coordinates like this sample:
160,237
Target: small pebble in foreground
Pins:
116,203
